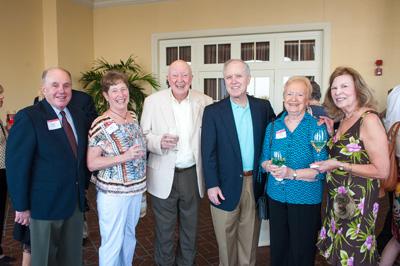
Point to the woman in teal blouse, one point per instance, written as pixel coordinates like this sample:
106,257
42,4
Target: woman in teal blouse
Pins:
291,144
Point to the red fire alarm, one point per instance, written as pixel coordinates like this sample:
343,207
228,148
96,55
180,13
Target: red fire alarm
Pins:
378,69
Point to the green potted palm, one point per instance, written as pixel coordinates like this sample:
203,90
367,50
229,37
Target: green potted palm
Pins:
136,79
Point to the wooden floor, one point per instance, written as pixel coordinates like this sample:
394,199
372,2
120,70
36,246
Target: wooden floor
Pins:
207,247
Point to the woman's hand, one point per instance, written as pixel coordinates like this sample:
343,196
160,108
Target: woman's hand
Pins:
134,152
169,141
325,166
282,172
268,166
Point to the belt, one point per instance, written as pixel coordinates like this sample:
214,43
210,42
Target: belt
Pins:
248,173
180,170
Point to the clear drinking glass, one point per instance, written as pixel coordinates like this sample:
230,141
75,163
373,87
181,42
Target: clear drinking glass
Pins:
319,141
278,160
174,137
142,148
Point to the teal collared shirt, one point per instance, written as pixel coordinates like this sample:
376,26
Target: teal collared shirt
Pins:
244,129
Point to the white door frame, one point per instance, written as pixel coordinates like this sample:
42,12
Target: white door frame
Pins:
325,28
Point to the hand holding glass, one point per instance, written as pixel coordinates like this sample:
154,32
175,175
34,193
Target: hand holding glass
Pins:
173,137
141,146
278,160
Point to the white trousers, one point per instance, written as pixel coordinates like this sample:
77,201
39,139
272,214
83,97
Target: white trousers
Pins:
118,217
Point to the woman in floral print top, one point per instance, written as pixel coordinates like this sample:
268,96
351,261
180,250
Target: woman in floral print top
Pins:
117,149
358,159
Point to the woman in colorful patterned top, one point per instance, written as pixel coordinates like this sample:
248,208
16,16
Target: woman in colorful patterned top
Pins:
295,189
358,159
117,149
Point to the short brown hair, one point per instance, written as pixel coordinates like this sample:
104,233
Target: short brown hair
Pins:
1,89
364,94
111,78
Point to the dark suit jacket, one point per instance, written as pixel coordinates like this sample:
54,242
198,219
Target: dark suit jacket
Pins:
222,160
43,174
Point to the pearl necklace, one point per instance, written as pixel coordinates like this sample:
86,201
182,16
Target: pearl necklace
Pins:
123,117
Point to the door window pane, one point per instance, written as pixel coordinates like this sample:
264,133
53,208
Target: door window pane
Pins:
215,88
247,51
259,87
210,54
222,93
291,51
307,50
185,53
262,51
210,88
172,55
224,53
300,50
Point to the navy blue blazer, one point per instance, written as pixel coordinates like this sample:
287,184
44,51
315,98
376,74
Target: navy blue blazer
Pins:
220,149
43,174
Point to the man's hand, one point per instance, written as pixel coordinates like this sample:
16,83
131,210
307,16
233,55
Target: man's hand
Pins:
168,141
23,218
214,194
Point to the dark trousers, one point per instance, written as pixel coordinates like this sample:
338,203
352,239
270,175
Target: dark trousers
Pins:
386,233
57,242
3,201
183,202
293,233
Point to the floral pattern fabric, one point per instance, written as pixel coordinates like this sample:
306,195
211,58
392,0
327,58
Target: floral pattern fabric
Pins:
128,178
347,234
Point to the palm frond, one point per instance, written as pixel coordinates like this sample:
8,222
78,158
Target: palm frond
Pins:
136,79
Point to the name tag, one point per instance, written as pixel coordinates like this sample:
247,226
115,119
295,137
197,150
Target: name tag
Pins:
112,128
53,124
280,134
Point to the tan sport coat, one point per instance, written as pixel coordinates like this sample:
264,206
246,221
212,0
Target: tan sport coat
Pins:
157,117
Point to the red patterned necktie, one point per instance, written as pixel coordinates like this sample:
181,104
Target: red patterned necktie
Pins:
70,134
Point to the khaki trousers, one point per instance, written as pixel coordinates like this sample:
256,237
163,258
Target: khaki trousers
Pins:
237,231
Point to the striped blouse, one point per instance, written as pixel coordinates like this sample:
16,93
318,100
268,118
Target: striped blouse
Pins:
127,178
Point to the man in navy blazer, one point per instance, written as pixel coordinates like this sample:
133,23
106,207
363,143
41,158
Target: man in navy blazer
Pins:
231,142
46,165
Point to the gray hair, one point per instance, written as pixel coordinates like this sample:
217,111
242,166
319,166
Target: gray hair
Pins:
246,66
45,72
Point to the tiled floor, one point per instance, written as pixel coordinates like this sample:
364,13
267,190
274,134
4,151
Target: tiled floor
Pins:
207,246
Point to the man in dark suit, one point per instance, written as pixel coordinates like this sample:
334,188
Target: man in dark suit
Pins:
231,141
46,163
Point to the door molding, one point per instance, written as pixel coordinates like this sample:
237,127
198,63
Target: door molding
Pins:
325,28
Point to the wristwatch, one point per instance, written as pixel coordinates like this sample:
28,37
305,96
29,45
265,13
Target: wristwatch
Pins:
341,167
294,175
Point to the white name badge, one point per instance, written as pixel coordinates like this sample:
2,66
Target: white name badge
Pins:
280,134
53,124
112,128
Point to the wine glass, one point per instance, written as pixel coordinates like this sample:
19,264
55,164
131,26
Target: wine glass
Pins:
139,141
319,141
173,135
278,160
